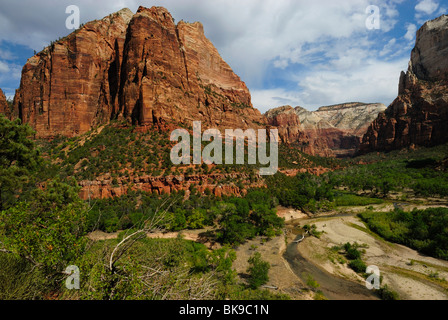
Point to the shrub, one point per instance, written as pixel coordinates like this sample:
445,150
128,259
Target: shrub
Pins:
387,294
258,271
358,266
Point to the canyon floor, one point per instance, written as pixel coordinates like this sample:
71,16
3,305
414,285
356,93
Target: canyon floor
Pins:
295,266
311,269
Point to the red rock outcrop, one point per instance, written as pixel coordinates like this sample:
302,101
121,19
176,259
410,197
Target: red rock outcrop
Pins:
419,115
71,85
4,108
139,67
290,130
103,188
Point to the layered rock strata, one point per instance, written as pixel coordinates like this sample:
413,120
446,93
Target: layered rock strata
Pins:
140,67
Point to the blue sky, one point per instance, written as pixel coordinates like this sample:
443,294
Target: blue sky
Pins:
298,52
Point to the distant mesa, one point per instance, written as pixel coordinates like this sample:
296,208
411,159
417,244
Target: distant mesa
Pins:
331,131
141,68
419,115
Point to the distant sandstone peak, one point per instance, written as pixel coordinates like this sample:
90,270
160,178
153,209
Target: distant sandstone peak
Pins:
289,127
353,117
329,131
139,67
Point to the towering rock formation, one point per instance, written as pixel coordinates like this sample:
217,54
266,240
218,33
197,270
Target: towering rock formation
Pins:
71,85
333,131
139,67
4,108
419,115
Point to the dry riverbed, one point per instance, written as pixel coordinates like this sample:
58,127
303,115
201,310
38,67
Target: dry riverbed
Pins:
412,275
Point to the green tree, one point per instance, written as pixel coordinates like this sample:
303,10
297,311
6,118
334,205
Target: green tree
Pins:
47,231
18,157
234,228
258,271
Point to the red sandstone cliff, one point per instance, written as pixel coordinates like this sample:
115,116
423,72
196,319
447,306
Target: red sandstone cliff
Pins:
4,108
139,67
419,115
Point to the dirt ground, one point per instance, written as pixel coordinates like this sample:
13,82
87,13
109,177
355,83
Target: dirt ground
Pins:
280,274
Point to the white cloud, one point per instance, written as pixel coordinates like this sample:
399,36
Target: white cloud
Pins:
328,37
427,6
389,47
9,71
442,10
373,81
411,32
4,67
267,99
6,55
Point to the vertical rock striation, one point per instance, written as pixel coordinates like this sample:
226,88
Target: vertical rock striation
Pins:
139,67
419,115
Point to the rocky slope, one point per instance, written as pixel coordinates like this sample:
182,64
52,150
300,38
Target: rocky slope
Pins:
419,115
139,67
354,118
333,131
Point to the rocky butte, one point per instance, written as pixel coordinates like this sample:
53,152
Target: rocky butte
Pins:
332,131
142,68
419,115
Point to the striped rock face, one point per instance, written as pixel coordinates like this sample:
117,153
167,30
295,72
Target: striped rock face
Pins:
140,67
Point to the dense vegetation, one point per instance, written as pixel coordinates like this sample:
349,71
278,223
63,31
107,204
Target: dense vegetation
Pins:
419,171
44,223
258,271
43,227
234,219
423,230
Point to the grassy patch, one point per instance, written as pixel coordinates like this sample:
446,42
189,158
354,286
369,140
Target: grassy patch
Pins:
345,200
